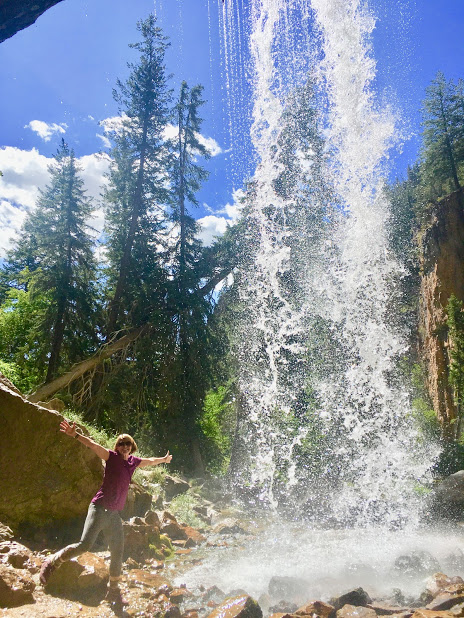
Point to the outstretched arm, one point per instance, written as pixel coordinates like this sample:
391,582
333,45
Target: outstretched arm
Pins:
71,431
155,461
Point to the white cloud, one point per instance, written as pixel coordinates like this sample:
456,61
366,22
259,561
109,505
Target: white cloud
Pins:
210,143
105,140
46,130
213,225
25,172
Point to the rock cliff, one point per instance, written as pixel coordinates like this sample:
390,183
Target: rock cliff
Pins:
18,14
45,475
442,274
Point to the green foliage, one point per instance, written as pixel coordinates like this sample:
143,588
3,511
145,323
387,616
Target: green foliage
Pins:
455,323
182,507
443,138
98,434
217,424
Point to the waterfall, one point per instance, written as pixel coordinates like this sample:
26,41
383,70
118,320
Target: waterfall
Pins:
344,296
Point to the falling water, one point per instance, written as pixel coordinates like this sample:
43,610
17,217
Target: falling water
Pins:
329,438
349,289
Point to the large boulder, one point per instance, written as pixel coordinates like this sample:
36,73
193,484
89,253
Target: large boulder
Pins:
81,577
46,475
16,587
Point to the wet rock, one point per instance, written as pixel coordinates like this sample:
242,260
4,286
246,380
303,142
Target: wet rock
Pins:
229,526
174,486
446,600
213,594
427,613
447,497
315,608
357,597
439,582
179,595
193,536
162,609
384,609
291,588
174,531
237,607
416,564
78,577
16,587
352,611
283,607
140,578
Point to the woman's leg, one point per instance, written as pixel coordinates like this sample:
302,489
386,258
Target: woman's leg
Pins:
114,534
94,522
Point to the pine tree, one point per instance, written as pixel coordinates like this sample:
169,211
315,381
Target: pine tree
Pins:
137,181
189,365
56,249
442,135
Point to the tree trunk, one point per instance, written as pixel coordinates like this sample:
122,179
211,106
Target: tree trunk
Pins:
45,391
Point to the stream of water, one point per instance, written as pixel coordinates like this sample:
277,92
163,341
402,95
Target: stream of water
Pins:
321,342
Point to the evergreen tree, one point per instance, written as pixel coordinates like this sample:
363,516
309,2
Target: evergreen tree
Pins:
137,181
189,365
442,136
55,254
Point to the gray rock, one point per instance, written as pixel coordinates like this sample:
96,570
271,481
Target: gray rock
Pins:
291,589
357,597
174,486
52,484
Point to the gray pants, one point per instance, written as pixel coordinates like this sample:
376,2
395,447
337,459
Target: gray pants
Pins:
99,519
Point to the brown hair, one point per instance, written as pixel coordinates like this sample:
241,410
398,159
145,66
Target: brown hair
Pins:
126,436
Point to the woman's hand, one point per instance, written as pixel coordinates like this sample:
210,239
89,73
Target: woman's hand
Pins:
167,458
69,430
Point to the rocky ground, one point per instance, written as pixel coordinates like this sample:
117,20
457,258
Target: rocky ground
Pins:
160,547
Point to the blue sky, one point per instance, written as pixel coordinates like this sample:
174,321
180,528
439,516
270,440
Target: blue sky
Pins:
57,78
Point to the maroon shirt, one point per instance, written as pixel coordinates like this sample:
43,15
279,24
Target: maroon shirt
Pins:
118,473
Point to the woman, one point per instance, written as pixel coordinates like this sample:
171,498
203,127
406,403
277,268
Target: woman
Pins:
106,506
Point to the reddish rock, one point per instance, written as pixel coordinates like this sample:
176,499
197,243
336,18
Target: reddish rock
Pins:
86,573
174,531
427,613
16,587
193,536
179,595
445,600
439,581
318,608
238,607
351,611
16,554
152,519
384,609
138,577
441,258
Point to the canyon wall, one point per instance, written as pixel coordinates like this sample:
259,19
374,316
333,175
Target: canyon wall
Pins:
441,254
